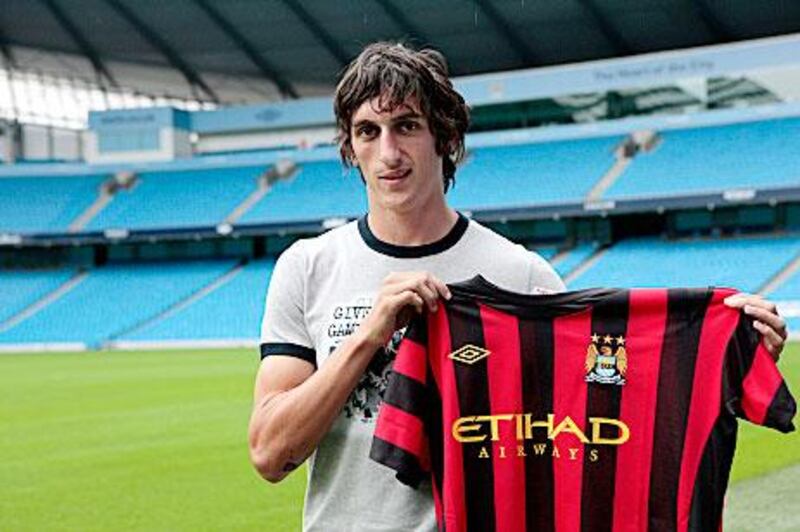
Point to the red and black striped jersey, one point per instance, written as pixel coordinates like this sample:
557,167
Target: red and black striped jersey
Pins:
601,409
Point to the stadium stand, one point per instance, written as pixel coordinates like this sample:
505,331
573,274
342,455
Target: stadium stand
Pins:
45,204
530,174
22,288
788,294
763,154
546,253
567,261
115,298
319,190
743,263
789,289
230,311
493,177
174,199
214,300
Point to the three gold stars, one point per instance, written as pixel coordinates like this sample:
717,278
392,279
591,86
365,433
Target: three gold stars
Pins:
608,339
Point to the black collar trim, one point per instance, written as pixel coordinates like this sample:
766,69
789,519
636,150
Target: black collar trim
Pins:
532,305
413,252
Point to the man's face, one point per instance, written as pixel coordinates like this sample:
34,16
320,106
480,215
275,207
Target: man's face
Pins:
396,153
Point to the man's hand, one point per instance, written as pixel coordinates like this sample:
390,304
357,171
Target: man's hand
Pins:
400,296
767,320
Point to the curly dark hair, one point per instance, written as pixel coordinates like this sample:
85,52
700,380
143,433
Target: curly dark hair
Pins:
393,73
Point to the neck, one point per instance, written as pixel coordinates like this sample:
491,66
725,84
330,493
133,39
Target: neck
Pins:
412,228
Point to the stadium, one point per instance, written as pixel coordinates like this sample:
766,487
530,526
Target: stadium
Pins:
157,158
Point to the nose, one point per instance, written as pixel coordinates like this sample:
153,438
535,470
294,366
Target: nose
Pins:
389,149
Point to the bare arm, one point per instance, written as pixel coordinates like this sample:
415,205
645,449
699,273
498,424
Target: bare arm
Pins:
295,406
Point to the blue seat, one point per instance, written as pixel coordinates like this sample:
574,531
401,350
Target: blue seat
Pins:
21,288
743,263
319,190
114,298
763,154
232,311
525,175
175,199
574,257
45,204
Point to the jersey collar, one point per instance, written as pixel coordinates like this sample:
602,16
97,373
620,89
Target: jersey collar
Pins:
480,289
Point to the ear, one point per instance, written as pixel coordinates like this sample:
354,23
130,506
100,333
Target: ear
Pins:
347,154
450,148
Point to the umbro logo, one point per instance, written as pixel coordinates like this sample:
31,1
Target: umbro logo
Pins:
469,354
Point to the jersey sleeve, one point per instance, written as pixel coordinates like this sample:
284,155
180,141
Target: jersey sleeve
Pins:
283,327
401,438
753,387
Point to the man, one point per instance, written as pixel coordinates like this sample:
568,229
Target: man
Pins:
337,300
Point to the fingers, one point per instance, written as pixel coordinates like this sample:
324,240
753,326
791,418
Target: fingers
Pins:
741,299
773,341
428,287
441,287
409,298
767,320
406,304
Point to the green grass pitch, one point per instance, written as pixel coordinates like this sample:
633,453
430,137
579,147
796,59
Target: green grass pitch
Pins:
157,441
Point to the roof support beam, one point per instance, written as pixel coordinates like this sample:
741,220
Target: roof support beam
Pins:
319,32
162,46
506,30
711,21
603,22
5,51
409,28
80,39
268,71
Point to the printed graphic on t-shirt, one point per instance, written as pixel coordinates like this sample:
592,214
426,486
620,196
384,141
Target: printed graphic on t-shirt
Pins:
365,399
344,320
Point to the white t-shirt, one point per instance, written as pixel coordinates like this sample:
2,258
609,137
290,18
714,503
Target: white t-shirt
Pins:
321,289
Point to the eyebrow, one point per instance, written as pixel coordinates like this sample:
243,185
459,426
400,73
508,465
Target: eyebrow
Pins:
405,116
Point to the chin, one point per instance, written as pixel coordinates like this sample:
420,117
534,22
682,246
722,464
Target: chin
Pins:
398,203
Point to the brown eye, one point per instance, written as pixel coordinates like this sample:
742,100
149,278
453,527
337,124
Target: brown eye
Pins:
365,131
409,126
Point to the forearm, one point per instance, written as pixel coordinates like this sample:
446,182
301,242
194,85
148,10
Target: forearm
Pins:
287,426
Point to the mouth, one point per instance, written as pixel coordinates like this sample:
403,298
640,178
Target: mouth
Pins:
395,176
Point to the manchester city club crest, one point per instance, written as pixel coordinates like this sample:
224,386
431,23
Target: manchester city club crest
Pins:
606,360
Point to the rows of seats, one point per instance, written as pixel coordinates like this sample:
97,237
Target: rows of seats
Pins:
115,298
220,300
318,190
232,311
789,291
529,174
572,258
179,199
743,263
22,288
762,154
45,204
546,252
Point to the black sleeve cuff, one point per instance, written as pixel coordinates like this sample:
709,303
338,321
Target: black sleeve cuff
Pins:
290,350
781,411
404,463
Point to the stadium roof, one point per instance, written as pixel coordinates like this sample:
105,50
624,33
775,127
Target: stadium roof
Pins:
240,50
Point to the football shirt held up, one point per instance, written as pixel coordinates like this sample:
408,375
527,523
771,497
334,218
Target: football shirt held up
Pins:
601,409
